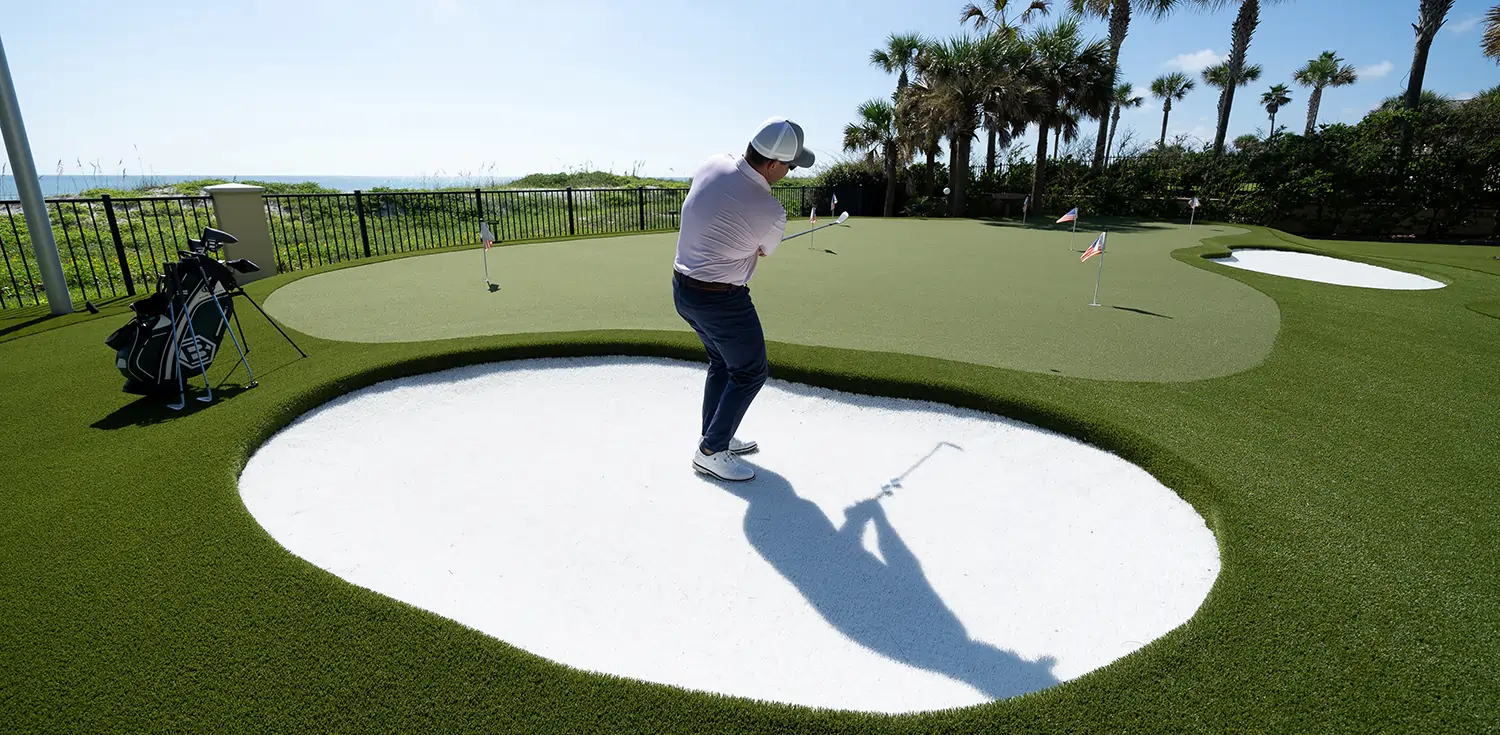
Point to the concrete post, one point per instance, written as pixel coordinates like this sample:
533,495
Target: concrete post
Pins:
38,224
240,210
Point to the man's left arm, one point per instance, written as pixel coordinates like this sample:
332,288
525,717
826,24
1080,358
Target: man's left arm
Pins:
772,239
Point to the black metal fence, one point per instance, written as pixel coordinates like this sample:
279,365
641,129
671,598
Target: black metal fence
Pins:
108,246
116,247
309,230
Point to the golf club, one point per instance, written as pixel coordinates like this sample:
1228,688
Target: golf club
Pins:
838,221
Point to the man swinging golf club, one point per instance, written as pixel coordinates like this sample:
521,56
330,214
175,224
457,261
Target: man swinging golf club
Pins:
730,219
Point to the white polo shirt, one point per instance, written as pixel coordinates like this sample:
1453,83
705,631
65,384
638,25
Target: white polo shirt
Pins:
729,216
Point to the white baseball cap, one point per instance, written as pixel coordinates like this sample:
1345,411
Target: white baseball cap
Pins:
780,139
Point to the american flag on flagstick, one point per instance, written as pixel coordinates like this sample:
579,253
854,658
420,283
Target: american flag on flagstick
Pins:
834,205
1069,217
1095,249
814,218
1193,203
485,236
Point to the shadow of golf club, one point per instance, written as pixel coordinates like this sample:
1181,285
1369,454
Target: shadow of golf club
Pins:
884,603
1141,311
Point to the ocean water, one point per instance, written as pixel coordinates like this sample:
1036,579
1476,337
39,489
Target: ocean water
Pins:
53,185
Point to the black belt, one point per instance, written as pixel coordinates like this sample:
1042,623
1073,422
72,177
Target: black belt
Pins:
704,285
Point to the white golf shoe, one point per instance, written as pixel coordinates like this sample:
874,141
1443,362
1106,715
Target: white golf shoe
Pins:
723,465
737,446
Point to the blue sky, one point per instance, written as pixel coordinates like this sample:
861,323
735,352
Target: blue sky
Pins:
377,87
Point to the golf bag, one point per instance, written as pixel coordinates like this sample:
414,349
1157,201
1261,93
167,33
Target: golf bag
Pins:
176,332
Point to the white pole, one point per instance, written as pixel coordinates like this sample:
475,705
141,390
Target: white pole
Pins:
486,266
1073,241
1097,279
1192,214
32,203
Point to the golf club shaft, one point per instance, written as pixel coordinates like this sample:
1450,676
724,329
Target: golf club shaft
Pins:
804,232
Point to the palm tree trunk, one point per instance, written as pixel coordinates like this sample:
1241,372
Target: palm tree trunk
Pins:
953,185
1119,25
960,173
1244,28
1114,126
1272,134
890,179
989,154
1314,101
931,177
1430,18
1039,178
1056,142
1166,112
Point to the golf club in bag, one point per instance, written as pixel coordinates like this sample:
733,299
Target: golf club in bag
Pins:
176,332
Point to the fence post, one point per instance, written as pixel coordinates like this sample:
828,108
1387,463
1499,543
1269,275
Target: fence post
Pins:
479,204
359,209
240,210
640,192
114,232
570,210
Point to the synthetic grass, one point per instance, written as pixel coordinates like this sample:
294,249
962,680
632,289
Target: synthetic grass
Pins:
986,293
1349,479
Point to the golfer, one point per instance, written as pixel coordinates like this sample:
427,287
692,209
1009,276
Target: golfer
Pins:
729,220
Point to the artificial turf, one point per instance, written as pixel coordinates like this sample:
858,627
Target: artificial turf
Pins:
986,293
1349,476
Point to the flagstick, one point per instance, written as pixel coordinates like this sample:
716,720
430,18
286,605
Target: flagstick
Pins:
1192,213
487,266
1073,242
1097,279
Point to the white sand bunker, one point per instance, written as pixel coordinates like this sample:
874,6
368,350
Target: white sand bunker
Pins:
892,555
1309,267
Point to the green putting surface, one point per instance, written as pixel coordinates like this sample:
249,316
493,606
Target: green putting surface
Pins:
977,292
1349,478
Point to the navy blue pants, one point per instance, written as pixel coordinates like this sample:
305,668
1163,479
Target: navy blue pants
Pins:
727,324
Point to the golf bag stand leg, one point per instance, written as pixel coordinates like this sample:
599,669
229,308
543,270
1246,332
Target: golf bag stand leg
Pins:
243,358
241,292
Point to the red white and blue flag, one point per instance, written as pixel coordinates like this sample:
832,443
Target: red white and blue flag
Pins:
814,218
1026,205
1069,217
1194,203
485,236
1095,249
834,205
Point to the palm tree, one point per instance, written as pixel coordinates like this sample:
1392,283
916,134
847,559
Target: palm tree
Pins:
1430,18
1239,42
1328,70
1491,42
876,131
996,20
954,78
1218,76
1169,88
998,128
1117,14
1246,142
1273,100
1429,100
899,54
1071,77
1123,99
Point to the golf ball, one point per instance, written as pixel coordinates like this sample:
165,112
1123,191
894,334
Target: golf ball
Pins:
947,191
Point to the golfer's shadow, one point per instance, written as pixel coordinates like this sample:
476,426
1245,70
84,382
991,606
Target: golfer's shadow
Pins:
886,606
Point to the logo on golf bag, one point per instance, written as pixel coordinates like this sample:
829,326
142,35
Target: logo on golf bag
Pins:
194,354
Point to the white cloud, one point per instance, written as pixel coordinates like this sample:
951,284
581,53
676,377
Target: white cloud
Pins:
1463,96
1466,25
1376,71
1194,62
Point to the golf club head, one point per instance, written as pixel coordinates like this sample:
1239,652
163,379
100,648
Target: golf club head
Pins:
842,218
